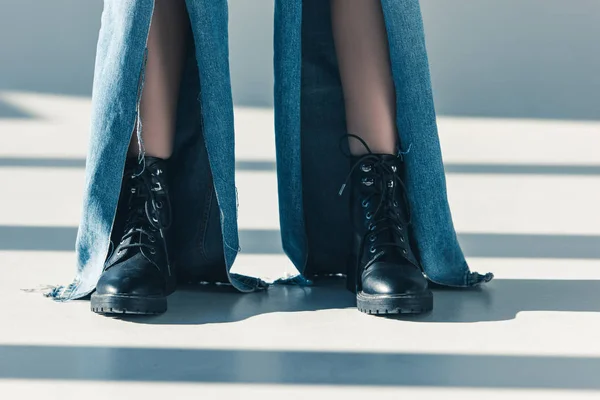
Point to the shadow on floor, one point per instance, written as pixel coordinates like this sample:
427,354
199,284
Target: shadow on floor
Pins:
504,299
8,111
252,165
59,238
184,365
499,300
39,238
222,304
79,163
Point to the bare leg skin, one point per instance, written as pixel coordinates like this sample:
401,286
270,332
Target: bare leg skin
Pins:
364,61
169,33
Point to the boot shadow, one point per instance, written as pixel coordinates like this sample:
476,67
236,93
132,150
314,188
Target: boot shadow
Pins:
500,300
222,304
504,299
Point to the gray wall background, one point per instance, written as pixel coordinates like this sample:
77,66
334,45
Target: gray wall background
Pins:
491,58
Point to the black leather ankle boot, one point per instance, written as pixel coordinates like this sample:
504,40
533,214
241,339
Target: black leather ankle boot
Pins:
384,272
137,278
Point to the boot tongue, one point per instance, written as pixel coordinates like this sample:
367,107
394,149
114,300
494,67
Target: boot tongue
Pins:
135,166
388,158
154,162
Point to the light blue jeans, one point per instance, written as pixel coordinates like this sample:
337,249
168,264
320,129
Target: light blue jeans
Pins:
309,120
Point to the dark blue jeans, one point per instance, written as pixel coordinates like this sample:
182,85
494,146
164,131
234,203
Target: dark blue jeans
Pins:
309,119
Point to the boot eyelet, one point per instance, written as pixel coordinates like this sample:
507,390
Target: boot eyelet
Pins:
152,250
159,205
399,228
372,249
401,239
372,227
366,168
395,204
364,203
368,215
367,181
372,238
152,239
404,252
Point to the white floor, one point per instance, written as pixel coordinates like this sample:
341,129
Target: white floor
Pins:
525,197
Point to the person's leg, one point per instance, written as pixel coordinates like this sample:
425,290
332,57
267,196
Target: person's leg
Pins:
137,278
364,62
166,48
386,275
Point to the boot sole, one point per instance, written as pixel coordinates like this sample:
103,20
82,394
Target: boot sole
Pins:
389,304
128,305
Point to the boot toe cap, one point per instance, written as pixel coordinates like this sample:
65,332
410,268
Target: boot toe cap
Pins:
391,279
139,281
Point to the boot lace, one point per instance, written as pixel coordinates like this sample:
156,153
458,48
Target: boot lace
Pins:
144,210
386,220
